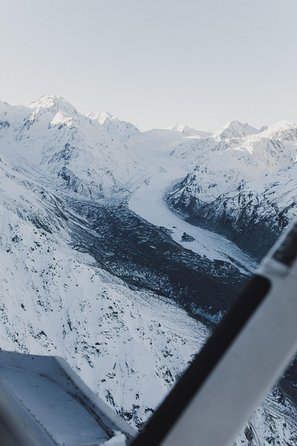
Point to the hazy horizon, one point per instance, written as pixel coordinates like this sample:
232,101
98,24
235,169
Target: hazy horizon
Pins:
155,63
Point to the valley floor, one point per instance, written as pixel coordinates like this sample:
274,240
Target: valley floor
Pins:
147,200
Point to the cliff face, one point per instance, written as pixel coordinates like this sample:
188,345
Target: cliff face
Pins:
243,187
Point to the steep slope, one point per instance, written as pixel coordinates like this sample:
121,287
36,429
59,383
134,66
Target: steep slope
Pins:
253,215
128,345
274,423
244,188
235,129
79,153
188,131
115,127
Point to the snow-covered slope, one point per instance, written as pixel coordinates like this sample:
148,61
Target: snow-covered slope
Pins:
235,129
90,253
189,131
115,127
242,186
274,423
80,153
128,345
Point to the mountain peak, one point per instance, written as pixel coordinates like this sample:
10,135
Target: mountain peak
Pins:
114,125
181,128
235,129
47,100
283,130
281,126
55,103
188,131
102,117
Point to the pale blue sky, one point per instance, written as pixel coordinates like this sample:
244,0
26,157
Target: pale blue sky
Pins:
154,62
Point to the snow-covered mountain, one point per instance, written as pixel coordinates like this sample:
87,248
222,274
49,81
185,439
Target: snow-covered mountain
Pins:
78,152
189,131
241,186
120,129
96,267
235,129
